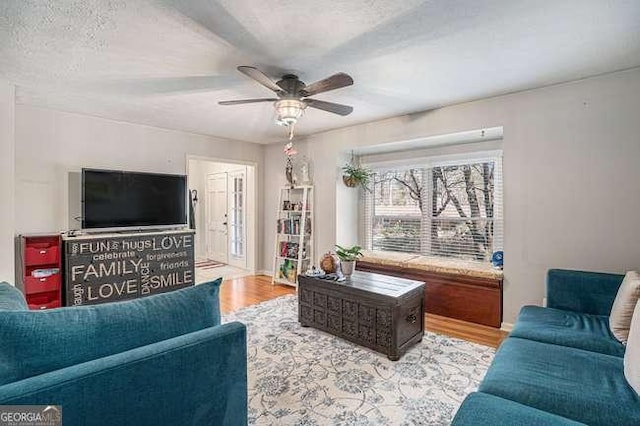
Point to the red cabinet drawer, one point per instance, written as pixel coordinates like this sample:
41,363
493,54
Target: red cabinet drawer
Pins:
40,285
43,255
49,305
43,300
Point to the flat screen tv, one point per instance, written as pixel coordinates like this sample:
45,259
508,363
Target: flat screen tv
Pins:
118,199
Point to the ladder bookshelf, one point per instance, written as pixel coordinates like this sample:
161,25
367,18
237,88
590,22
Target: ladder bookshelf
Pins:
294,234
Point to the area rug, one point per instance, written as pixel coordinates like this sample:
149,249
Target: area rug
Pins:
302,376
208,264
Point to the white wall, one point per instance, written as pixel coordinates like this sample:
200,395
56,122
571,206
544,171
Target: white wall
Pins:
571,176
51,146
7,154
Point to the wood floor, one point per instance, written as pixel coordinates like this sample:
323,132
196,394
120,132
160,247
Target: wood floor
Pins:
240,292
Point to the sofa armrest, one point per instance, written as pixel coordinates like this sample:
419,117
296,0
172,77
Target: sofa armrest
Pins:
194,379
579,291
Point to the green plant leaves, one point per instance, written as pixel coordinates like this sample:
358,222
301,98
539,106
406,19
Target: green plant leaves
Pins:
348,254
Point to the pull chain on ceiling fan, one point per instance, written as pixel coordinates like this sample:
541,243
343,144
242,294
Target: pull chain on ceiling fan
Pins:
293,95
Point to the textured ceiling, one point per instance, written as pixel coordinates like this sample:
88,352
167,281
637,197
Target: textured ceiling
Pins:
168,62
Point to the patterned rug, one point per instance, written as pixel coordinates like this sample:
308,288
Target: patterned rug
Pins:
302,376
208,264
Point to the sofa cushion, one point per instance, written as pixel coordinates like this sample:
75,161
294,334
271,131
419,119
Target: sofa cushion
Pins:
581,291
623,306
584,386
632,356
35,342
11,299
567,328
481,408
386,258
430,264
454,266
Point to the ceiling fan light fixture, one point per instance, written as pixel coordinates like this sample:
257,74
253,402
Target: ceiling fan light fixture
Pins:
293,96
288,111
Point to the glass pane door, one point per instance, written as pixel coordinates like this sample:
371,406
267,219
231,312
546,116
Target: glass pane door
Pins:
237,215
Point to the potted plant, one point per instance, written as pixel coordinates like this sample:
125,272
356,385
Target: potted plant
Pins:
354,175
348,258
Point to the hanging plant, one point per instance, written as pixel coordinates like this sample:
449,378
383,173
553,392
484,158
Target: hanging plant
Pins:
353,174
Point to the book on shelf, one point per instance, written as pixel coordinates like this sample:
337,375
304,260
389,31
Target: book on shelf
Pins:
294,206
287,271
292,226
289,249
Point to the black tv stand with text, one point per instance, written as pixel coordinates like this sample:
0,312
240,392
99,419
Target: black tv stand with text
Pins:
126,265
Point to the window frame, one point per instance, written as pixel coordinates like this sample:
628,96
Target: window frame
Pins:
429,162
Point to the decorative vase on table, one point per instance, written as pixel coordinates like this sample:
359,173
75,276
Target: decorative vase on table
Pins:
347,267
329,263
348,256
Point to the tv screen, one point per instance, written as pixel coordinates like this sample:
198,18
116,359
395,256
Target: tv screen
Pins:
117,199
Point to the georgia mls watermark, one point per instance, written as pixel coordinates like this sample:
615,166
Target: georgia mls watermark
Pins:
30,415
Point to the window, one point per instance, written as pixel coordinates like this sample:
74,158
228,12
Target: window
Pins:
237,216
447,209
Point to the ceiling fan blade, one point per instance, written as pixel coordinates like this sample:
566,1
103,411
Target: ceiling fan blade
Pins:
247,101
336,81
260,77
329,106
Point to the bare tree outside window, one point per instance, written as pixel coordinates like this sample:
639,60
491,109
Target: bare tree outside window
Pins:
441,211
397,211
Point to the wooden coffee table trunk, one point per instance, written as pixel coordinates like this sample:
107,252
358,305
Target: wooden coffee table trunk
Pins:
380,312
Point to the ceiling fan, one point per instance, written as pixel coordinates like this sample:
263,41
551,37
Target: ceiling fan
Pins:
293,95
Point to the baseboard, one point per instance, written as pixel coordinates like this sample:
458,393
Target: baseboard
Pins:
264,272
506,327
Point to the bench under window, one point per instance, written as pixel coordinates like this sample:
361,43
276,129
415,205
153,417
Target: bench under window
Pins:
464,290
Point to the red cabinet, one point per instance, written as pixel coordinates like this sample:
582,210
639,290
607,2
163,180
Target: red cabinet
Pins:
40,270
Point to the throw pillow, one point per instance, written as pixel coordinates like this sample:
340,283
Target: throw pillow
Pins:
632,354
623,306
36,342
11,299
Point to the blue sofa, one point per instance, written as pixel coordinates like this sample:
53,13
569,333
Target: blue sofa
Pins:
560,365
159,360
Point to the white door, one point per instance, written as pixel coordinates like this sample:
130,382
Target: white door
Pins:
216,213
238,218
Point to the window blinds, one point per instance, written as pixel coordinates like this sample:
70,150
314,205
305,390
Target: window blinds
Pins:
451,209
